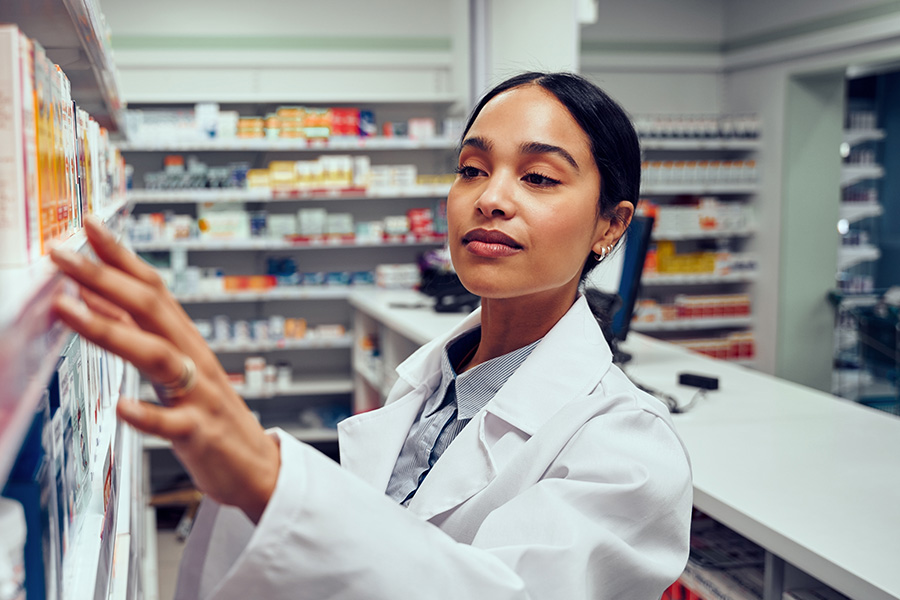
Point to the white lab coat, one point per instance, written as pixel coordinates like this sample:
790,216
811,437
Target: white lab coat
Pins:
570,484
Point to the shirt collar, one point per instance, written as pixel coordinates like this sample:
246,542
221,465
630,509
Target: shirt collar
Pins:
475,387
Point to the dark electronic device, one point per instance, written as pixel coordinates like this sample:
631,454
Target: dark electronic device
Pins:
637,242
699,381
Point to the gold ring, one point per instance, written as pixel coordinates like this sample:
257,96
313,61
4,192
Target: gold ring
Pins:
181,386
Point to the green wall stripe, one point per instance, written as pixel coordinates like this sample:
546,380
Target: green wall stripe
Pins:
275,42
770,36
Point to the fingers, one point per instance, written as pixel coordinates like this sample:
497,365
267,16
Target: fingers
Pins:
158,359
168,423
149,307
104,307
112,253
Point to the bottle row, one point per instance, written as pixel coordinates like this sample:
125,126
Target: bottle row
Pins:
56,163
65,461
705,214
664,259
230,221
659,172
698,126
738,346
281,279
206,120
222,330
688,307
329,172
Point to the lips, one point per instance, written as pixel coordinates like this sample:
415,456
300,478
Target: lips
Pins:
491,237
490,244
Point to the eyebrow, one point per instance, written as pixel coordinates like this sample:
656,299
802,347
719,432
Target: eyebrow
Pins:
526,148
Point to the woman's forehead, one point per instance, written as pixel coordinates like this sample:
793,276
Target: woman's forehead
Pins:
529,113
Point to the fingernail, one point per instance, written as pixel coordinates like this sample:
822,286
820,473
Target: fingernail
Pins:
66,257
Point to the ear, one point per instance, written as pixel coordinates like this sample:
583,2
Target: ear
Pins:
608,232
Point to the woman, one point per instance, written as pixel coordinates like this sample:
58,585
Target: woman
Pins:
562,481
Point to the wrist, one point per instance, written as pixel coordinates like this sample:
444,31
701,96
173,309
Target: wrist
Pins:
263,484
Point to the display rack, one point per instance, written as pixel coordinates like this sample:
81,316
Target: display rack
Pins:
75,37
328,303
678,166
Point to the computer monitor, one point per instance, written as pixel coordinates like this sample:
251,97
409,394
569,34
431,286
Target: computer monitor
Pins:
637,241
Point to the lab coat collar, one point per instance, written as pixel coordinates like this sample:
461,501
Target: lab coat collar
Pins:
574,352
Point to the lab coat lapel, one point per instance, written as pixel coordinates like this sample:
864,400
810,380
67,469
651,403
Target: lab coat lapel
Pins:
463,470
371,442
568,364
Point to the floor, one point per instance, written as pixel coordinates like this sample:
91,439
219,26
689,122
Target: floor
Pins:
168,553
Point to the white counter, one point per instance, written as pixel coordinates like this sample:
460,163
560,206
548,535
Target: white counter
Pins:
812,478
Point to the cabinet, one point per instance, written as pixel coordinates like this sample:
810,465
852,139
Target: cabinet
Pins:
96,551
699,179
282,293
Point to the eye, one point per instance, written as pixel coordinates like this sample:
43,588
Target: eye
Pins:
540,180
467,172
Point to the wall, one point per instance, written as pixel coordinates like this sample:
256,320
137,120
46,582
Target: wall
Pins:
229,50
655,56
757,77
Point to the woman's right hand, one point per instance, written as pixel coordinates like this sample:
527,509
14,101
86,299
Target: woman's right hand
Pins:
129,311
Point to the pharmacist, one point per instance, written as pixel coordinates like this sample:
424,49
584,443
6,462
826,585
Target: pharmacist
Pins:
512,460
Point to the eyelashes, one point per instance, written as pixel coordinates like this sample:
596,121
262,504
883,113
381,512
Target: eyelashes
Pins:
534,178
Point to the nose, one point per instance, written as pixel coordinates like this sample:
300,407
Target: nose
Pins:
497,198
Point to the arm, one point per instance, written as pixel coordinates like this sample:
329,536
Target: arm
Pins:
609,521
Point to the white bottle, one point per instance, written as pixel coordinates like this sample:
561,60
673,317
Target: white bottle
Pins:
12,550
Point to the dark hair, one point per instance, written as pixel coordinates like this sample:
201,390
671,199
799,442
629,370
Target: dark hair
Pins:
614,143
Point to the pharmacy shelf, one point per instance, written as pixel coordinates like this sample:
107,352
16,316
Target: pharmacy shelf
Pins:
697,279
854,137
309,385
298,292
289,145
849,256
87,541
698,188
692,324
725,144
857,211
272,244
205,196
305,343
304,434
32,340
702,235
74,36
368,375
852,174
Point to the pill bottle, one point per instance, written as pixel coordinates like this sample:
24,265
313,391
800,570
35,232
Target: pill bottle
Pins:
12,550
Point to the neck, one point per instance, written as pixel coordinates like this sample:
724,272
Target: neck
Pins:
508,324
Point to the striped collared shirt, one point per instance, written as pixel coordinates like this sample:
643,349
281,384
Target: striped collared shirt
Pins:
452,405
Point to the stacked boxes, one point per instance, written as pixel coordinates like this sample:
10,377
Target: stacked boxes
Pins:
56,163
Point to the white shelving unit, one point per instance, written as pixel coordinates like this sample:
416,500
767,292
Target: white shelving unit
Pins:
692,324
300,292
699,279
247,256
72,31
190,196
214,245
683,156
291,145
849,256
852,174
857,211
